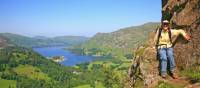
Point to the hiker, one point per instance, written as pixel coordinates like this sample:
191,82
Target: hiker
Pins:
163,41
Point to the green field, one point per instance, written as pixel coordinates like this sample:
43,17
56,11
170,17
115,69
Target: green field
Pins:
7,83
31,72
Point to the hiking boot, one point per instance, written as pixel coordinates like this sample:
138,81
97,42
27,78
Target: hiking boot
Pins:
164,76
174,75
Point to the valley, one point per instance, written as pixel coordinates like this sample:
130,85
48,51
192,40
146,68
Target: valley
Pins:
85,64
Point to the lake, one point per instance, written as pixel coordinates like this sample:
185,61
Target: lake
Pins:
71,59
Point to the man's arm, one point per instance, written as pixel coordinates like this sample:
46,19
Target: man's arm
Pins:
181,32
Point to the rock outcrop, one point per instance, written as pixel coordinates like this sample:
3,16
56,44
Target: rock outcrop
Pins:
184,14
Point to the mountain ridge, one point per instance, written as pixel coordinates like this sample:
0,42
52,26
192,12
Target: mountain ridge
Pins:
41,41
125,39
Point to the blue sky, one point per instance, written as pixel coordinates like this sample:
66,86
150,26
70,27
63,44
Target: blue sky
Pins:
75,17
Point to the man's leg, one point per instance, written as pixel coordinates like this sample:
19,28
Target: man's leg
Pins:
170,54
163,61
172,64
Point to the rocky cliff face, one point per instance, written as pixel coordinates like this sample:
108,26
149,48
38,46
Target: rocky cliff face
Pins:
184,14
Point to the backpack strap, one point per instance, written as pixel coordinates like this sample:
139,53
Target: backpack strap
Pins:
158,37
170,35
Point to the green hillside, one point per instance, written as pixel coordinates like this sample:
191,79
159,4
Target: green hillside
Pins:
126,38
120,42
40,41
23,68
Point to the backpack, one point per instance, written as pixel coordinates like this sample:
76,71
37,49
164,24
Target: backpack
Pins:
159,35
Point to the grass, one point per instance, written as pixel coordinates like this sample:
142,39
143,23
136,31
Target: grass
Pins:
139,52
163,84
125,65
103,63
7,83
192,72
84,86
30,71
139,84
97,85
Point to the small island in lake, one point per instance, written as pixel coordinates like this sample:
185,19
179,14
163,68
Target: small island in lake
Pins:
57,58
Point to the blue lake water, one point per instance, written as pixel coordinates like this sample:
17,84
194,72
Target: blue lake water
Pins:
71,59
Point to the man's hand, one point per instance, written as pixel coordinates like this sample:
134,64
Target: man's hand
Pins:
188,37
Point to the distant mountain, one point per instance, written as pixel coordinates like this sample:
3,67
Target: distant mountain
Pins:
124,39
40,41
40,37
71,40
18,39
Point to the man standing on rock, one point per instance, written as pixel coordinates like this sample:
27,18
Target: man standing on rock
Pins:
163,41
